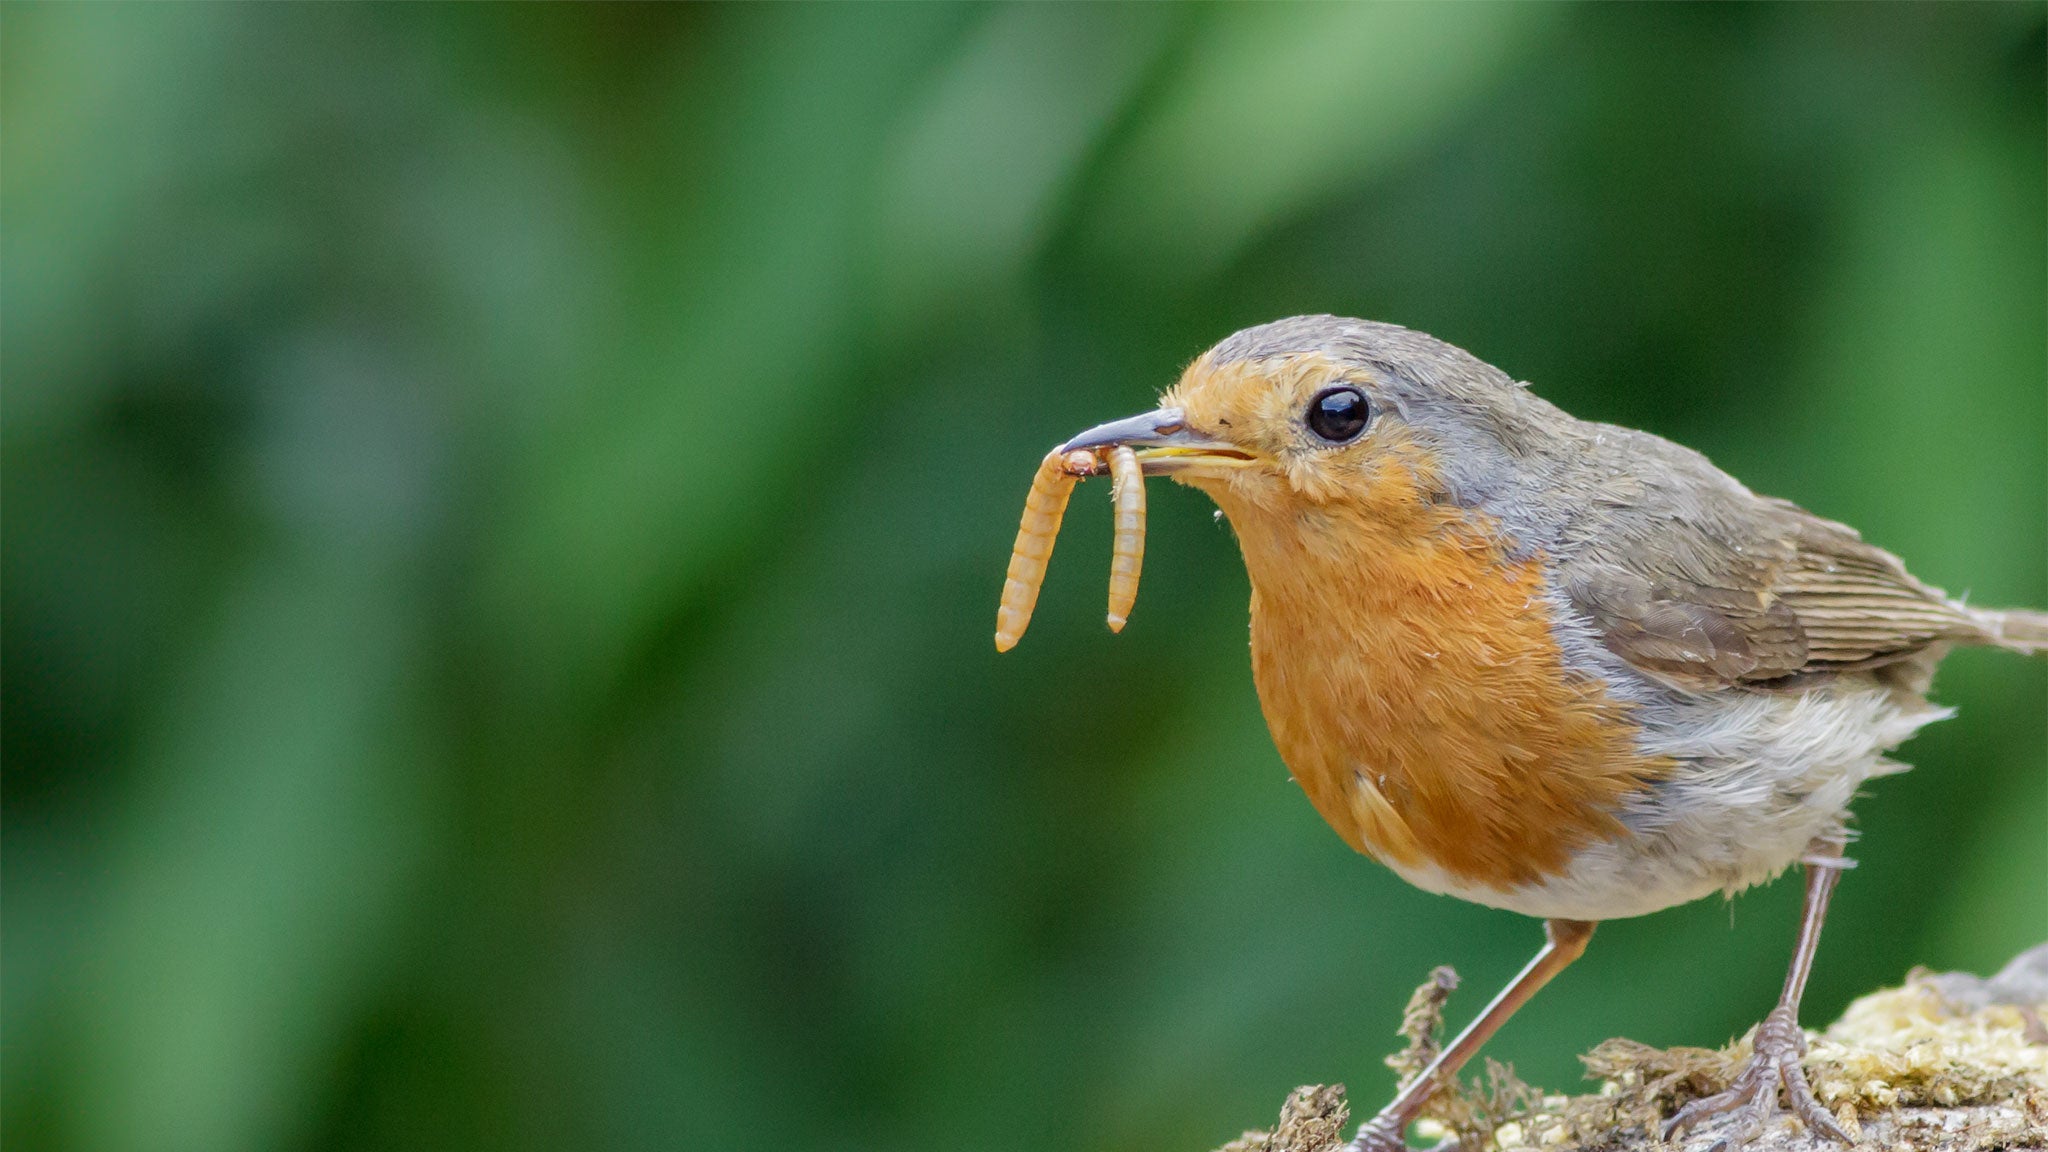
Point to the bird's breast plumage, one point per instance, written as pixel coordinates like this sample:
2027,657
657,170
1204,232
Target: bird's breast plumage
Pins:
1406,665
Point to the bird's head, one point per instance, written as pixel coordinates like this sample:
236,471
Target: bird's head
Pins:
1323,412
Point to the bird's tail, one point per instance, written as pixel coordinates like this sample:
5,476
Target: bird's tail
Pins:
2017,629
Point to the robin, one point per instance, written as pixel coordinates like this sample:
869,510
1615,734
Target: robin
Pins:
1568,669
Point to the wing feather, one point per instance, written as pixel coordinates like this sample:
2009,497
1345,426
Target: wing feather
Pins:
1741,589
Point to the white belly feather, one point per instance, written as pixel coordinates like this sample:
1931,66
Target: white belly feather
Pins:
1760,776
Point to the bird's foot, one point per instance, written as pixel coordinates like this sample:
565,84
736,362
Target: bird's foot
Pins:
1753,1095
1381,1135
1377,1135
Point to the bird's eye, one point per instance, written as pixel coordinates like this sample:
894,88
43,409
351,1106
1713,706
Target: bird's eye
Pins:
1338,414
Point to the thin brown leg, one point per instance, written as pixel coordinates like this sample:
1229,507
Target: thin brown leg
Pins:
1779,1044
1565,941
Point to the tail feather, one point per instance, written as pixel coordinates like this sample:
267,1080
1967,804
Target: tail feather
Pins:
2017,629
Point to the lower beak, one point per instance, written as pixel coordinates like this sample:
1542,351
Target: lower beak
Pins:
1166,444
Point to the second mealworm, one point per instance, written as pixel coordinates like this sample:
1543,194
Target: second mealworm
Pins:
1043,508
1127,554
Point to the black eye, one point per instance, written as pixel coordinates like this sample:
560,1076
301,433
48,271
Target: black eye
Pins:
1338,414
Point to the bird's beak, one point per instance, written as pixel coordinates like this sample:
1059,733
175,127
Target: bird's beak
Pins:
1164,441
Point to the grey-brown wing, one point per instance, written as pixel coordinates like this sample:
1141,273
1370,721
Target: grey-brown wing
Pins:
1856,604
1697,581
1697,635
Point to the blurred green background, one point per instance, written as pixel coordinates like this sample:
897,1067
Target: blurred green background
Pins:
505,506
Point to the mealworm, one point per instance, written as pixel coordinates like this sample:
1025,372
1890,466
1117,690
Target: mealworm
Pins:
1127,555
1043,508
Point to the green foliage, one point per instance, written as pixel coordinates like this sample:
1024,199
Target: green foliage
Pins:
504,510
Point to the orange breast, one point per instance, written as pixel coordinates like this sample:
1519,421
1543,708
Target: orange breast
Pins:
1408,672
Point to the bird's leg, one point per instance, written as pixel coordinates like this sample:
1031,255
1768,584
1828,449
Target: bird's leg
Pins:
1565,941
1779,1044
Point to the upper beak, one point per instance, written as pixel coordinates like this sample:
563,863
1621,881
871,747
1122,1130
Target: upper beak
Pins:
1165,441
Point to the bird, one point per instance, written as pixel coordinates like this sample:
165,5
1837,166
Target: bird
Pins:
1564,668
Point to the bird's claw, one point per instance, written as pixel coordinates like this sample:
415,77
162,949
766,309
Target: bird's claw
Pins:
1377,1135
1380,1135
1773,1063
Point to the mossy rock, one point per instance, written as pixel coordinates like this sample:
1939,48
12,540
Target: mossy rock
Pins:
1944,1063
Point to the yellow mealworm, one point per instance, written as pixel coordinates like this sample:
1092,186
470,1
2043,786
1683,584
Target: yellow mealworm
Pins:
1043,509
1127,556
